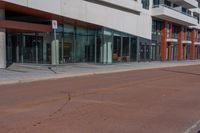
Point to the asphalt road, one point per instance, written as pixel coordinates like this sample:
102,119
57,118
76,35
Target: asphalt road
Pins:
163,100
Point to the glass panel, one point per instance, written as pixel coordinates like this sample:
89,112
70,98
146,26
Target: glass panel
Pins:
142,52
30,49
133,49
81,42
125,49
174,51
9,49
33,49
67,48
90,47
148,52
117,48
99,41
39,46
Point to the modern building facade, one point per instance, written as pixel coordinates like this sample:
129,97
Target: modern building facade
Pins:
98,31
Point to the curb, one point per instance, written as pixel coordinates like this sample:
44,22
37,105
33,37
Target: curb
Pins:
61,76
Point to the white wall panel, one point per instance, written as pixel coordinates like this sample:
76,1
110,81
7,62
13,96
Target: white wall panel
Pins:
135,24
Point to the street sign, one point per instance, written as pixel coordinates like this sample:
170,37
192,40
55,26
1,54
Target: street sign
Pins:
54,24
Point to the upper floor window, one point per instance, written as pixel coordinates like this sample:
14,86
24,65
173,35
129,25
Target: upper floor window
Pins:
145,4
168,3
156,2
156,27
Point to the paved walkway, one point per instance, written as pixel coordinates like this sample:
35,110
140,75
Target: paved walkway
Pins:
19,73
162,100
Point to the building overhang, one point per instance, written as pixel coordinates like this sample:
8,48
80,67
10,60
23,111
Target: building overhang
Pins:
49,16
196,10
195,27
165,13
186,3
125,5
15,25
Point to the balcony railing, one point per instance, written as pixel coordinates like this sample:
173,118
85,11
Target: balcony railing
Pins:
187,37
156,6
174,35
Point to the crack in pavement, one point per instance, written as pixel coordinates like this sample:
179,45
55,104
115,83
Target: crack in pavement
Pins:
194,128
68,99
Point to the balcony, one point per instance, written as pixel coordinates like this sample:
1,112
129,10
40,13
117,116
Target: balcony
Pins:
170,14
129,5
172,38
186,3
196,26
196,10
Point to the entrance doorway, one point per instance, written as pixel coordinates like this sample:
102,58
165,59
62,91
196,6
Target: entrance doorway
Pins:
186,51
145,52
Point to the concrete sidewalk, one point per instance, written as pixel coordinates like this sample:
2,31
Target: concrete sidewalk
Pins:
21,73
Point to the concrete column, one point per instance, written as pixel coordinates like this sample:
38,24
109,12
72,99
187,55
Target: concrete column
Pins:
55,52
2,42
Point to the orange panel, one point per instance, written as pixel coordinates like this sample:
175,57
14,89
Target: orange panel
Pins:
24,26
179,44
192,46
163,45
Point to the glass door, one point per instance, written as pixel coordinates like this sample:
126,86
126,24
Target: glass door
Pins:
14,48
117,48
142,52
126,49
133,49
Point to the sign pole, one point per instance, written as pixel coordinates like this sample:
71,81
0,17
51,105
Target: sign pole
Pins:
54,27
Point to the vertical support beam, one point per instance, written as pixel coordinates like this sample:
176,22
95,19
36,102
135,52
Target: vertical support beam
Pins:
163,44
180,44
2,42
192,46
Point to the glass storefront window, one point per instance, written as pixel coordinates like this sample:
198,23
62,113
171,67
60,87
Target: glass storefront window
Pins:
117,47
81,42
76,44
126,48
